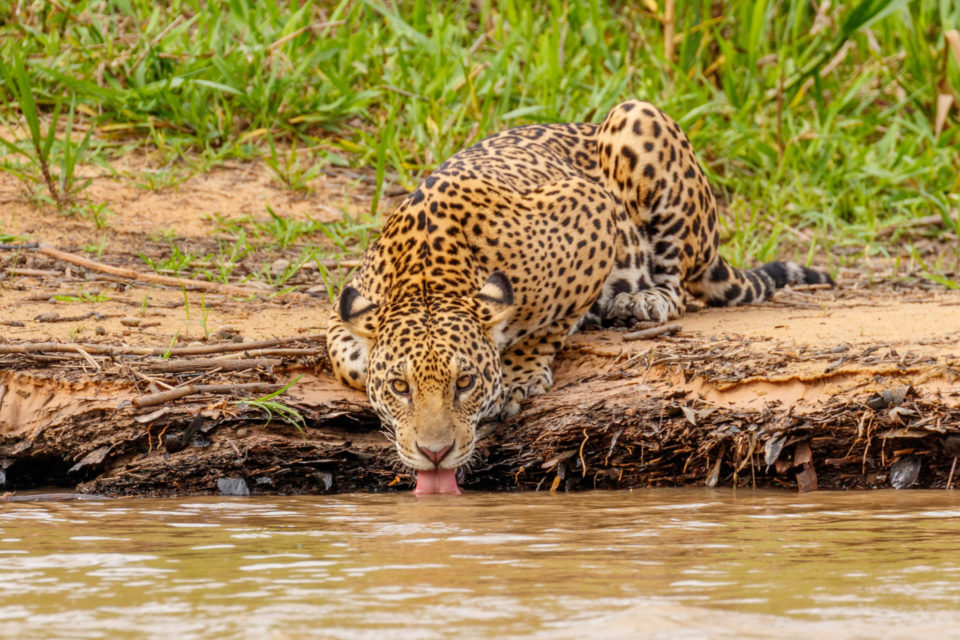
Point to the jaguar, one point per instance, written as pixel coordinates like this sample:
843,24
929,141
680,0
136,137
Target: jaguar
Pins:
479,276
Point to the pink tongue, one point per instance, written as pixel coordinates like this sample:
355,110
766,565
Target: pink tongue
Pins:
437,481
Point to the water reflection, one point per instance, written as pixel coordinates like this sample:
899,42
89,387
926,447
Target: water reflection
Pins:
667,563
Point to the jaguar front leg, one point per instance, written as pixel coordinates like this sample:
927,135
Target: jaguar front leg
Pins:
527,365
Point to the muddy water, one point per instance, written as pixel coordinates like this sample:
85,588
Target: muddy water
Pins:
656,564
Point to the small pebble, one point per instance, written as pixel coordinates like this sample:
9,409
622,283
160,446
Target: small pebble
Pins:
904,472
233,487
173,442
951,444
279,266
225,332
324,479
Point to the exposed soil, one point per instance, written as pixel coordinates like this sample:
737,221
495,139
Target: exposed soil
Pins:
853,387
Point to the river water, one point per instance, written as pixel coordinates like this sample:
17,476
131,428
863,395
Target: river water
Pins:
653,564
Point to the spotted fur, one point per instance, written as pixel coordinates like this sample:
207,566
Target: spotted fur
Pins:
481,274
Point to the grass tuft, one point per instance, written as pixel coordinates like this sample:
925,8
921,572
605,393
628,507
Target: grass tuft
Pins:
821,124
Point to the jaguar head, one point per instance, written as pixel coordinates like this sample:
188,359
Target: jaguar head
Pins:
433,373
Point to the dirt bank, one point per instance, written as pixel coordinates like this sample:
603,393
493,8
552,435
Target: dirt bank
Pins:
140,388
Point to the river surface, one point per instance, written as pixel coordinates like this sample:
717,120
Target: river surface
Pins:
644,564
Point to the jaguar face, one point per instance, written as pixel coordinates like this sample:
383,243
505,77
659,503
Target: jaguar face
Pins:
433,373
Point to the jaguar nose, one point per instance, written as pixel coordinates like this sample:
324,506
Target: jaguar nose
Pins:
435,455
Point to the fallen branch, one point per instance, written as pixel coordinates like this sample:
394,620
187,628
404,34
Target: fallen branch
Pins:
227,347
130,274
811,287
290,353
153,399
56,317
34,273
88,358
230,364
18,247
188,283
644,430
926,221
342,264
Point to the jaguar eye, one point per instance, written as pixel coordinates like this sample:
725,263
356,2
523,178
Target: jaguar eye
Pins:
400,387
464,382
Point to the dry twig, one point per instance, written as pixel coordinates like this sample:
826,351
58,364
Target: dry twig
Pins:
153,399
646,334
231,364
113,350
188,283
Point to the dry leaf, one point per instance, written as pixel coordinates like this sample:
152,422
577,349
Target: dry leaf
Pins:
94,457
807,479
714,476
897,414
150,417
945,98
944,102
554,461
904,433
555,484
889,397
772,449
806,476
952,36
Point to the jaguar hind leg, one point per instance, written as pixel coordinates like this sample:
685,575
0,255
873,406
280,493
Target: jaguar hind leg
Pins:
631,292
648,164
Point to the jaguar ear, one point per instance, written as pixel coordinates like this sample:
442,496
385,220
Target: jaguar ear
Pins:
495,301
357,313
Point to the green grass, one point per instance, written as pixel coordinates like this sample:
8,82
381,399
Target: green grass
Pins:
37,149
88,297
819,130
259,242
276,408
